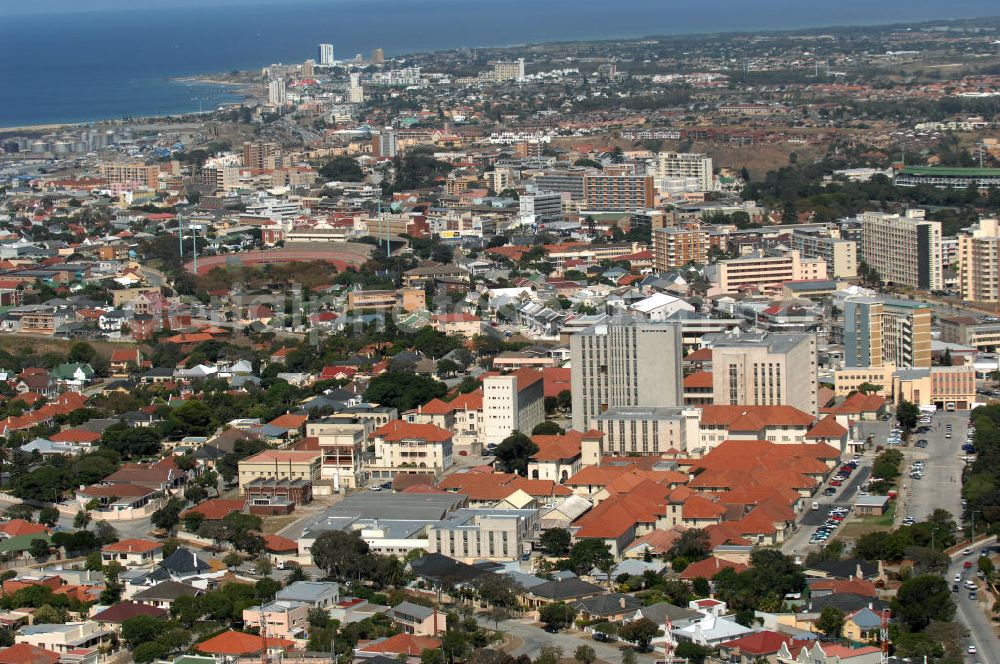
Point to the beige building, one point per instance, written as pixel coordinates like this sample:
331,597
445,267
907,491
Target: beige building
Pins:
63,638
418,619
765,272
764,369
903,249
512,402
281,465
459,324
676,247
342,446
634,430
624,363
969,331
848,380
408,299
687,165
979,262
468,534
405,447
841,255
906,333
948,388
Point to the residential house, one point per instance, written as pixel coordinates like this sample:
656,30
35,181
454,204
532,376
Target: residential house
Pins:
418,619
132,552
283,618
404,447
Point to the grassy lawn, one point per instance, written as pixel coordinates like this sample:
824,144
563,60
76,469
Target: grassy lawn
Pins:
859,526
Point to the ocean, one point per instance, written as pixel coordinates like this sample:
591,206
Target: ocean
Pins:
80,67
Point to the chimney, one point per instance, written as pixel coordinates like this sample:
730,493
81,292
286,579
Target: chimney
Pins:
621,602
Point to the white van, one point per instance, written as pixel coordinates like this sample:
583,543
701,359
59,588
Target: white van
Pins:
815,505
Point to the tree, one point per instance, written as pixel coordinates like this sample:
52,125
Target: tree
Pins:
131,442
628,657
869,388
830,621
263,565
555,541
343,556
565,398
557,614
403,391
82,353
149,651
549,655
446,367
922,599
48,515
49,614
692,652
907,414
641,632
498,590
585,654
588,554
106,533
513,452
342,169
547,428
141,629
693,545
38,548
167,517
985,566
232,559
701,587
82,519
191,418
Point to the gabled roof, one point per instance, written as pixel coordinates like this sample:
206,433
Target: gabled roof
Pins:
828,427
558,447
214,509
764,642
24,653
122,611
753,418
698,380
132,546
410,644
709,567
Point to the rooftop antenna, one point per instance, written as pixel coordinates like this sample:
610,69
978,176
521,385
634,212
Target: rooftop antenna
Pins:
669,645
883,635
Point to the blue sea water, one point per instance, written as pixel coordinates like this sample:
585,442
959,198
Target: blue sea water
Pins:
77,67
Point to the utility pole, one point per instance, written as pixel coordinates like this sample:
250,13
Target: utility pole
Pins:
194,246
180,235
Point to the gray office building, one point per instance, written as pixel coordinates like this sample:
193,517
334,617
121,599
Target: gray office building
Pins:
624,363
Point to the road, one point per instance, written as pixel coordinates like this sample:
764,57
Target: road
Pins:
974,613
798,542
534,637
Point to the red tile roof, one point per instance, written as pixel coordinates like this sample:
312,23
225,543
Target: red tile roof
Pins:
16,527
289,421
398,430
240,643
122,611
753,418
409,644
23,653
485,486
827,428
709,567
856,404
556,380
699,379
279,544
557,447
760,643
132,546
214,509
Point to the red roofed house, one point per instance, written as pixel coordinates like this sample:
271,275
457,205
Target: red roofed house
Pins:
486,489
753,648
698,389
215,509
559,457
240,644
622,518
132,552
123,359
406,447
709,567
463,416
409,645
24,653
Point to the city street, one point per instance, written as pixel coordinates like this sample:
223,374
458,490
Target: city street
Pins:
798,543
974,614
533,637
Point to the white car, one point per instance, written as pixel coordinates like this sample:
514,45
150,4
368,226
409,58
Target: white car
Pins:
972,650
967,552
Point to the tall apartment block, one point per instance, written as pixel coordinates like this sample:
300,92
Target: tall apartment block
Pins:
276,94
881,331
512,402
676,247
378,56
326,54
355,91
841,255
863,320
618,192
509,71
261,156
624,363
687,165
903,249
979,262
384,143
764,369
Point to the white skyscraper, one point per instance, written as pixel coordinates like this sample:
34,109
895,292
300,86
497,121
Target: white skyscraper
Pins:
326,54
356,93
276,93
